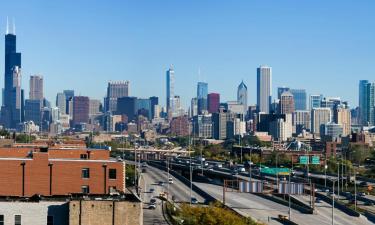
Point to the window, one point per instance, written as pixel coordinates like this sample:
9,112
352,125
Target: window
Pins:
85,189
85,173
83,156
1,219
49,220
112,173
17,220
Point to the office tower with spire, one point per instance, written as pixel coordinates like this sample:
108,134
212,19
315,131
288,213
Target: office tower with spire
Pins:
202,93
36,87
12,107
170,101
264,89
242,96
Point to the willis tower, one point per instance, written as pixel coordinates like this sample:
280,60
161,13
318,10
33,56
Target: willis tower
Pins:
12,108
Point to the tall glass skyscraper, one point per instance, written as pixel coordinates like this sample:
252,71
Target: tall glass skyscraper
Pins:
242,96
170,90
299,98
12,107
202,92
264,89
363,102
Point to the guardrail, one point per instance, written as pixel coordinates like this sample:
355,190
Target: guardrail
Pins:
338,205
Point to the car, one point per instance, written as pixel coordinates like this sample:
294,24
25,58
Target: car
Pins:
241,169
152,201
152,190
170,180
369,203
161,183
152,206
194,200
318,200
234,172
362,194
363,184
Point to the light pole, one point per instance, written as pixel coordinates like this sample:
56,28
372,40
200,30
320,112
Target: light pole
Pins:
251,161
325,173
290,192
338,180
333,202
355,190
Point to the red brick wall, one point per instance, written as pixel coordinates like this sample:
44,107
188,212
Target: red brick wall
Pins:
66,176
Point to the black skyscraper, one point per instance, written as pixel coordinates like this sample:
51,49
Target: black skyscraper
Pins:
12,106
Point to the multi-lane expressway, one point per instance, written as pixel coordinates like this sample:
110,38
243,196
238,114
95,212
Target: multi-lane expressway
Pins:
150,180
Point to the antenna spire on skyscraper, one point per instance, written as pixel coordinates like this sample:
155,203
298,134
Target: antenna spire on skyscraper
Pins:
14,27
7,29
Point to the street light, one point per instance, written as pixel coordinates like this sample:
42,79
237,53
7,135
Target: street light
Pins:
333,202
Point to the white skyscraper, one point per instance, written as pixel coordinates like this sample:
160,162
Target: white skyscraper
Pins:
264,88
170,91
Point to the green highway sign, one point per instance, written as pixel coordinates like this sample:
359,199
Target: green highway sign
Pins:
315,160
304,159
274,171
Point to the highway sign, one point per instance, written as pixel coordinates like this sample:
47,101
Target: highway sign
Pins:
304,159
315,160
275,171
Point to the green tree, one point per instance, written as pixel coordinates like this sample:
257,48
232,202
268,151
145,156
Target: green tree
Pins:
24,138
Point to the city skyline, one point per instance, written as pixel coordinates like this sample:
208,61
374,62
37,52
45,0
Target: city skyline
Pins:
238,59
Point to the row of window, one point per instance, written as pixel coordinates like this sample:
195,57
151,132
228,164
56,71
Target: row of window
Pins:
18,220
111,175
85,189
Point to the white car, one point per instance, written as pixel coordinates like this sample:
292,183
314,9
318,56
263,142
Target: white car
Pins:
170,180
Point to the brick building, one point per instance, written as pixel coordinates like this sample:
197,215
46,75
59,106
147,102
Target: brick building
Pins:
48,170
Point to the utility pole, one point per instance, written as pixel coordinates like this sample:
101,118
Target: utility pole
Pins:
333,202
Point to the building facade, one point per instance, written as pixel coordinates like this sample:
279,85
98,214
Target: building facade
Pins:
81,108
319,117
286,105
115,90
202,93
300,97
242,96
36,87
213,101
264,88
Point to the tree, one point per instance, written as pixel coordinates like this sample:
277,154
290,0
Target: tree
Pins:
24,138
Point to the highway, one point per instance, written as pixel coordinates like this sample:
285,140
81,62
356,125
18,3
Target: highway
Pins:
264,210
150,180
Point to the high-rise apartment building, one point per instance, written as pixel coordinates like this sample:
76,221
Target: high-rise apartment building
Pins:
319,116
213,101
115,90
343,118
264,88
94,107
36,87
301,121
315,101
367,103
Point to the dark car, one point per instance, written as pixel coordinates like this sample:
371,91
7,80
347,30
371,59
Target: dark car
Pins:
194,200
369,203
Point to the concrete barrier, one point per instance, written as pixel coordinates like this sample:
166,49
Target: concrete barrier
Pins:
338,205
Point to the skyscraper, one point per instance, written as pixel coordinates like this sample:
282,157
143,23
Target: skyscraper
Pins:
343,118
366,103
264,88
213,101
170,91
115,90
61,102
287,103
319,117
36,87
299,98
242,96
202,93
81,108
315,101
11,111
154,102
69,94
281,90
363,102
127,106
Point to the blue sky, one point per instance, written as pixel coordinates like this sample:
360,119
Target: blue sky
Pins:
322,46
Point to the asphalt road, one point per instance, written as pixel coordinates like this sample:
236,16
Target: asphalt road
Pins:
150,180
